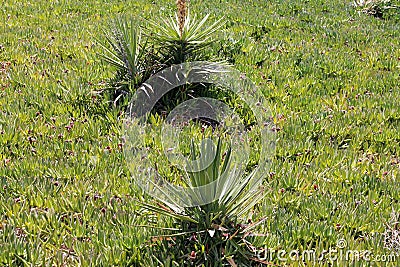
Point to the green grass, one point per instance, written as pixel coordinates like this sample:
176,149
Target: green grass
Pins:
331,75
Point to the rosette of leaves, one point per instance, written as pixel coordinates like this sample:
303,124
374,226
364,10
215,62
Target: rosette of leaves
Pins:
179,39
126,50
177,43
211,234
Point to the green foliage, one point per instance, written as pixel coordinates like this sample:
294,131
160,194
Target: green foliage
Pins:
331,75
136,59
125,50
212,234
176,47
177,44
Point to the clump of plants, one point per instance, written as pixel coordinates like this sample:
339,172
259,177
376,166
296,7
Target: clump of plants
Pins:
137,54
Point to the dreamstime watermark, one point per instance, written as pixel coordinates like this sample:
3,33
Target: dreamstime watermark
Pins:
338,253
137,131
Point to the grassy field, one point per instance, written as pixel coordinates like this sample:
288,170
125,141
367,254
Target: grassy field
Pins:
330,73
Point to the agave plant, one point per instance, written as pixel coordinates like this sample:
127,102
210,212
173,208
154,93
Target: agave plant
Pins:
211,234
125,49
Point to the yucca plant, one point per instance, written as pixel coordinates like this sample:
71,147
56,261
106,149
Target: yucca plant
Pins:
125,49
174,41
183,38
179,39
212,234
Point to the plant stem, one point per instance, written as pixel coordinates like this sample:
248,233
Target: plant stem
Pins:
182,12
